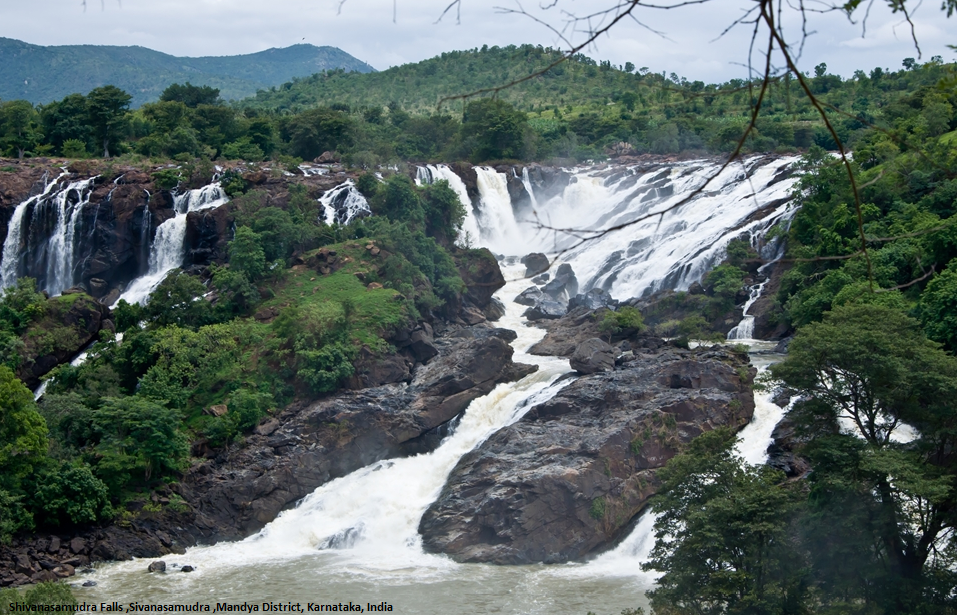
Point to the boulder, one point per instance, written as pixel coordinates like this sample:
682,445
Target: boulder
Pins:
159,566
187,569
545,309
217,410
495,310
594,299
563,285
421,346
535,263
541,279
567,479
530,296
592,356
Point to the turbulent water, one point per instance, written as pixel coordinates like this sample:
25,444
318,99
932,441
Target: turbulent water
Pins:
355,539
166,251
41,235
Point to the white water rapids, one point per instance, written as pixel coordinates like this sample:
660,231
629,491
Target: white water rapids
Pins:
355,538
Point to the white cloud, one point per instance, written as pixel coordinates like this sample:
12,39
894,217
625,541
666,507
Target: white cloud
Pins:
365,29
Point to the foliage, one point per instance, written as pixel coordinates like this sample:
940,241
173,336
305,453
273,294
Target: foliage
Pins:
69,495
721,535
22,430
625,321
50,593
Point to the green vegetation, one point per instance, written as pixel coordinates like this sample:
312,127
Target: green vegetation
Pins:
252,334
43,74
578,110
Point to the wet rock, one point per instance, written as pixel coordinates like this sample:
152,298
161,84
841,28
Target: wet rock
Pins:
331,437
566,479
159,566
90,583
535,263
594,299
545,309
541,279
530,296
783,450
593,355
78,545
564,285
495,310
64,571
187,569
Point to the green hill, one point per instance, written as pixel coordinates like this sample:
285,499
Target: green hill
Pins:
43,74
418,87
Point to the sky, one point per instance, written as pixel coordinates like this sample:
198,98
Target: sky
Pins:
386,33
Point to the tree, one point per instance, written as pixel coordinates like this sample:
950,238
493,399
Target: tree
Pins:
191,95
870,369
938,307
246,254
722,534
108,107
19,126
497,127
66,120
23,431
318,130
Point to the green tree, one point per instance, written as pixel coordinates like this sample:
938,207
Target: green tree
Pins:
318,130
722,535
870,369
178,301
23,431
19,126
938,307
246,254
191,95
497,127
108,108
66,120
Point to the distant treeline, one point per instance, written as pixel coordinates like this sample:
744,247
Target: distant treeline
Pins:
578,110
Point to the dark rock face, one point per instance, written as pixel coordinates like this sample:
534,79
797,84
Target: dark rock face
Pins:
565,480
482,277
592,300
593,356
567,333
535,263
783,451
317,442
563,285
530,296
545,309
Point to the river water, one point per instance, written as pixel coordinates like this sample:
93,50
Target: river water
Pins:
355,539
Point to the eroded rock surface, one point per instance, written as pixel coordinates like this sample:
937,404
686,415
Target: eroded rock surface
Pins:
565,480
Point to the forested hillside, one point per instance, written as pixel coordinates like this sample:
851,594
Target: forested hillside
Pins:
577,111
44,74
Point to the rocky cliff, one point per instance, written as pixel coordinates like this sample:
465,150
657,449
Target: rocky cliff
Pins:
569,477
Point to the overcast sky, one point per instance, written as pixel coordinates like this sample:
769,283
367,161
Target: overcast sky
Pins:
365,29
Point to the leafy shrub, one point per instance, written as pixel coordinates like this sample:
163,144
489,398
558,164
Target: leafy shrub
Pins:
167,179
626,321
70,495
50,593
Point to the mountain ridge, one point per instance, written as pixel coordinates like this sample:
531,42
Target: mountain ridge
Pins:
42,74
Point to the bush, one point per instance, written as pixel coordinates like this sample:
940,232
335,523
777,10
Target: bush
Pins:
70,495
74,148
51,593
167,179
626,321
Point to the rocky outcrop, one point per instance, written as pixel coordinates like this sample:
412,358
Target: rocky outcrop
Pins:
564,335
567,479
784,451
593,356
70,323
312,443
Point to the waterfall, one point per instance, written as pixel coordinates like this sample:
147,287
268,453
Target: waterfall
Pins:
60,247
496,219
166,252
430,174
343,204
528,187
10,265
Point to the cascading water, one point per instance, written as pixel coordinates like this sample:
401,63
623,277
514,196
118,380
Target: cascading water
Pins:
355,538
433,173
50,250
343,204
498,229
166,252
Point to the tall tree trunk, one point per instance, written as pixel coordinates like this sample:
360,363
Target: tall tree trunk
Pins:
106,148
